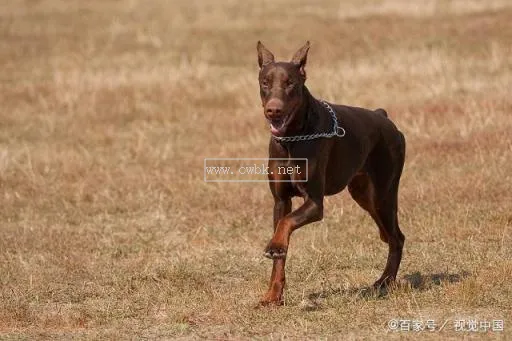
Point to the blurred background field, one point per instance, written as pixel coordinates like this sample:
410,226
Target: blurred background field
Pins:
108,109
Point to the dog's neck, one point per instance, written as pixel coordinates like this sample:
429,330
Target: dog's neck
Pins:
308,120
303,122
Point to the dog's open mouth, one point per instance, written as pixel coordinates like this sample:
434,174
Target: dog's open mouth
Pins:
278,125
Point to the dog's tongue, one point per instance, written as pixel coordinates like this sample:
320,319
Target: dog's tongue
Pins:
277,127
274,130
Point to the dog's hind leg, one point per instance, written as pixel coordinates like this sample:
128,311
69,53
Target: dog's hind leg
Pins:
385,174
386,206
362,190
375,189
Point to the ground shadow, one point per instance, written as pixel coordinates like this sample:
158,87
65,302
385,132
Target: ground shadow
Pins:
413,281
361,292
424,282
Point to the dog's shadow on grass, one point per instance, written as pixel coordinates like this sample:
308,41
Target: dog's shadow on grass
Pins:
366,292
415,281
421,282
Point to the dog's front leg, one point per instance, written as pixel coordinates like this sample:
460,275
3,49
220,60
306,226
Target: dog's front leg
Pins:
310,211
274,294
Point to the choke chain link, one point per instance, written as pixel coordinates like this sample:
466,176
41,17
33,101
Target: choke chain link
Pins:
337,130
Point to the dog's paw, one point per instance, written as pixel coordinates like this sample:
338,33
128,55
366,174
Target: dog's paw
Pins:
271,299
384,282
269,303
275,250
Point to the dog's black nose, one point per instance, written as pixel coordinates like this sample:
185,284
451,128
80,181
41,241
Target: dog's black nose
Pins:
273,112
274,107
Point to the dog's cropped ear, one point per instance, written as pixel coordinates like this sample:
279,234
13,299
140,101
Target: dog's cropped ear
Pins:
301,57
264,55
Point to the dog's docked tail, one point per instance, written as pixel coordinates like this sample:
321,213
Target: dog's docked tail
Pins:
381,112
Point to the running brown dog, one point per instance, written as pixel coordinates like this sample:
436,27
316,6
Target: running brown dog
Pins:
344,146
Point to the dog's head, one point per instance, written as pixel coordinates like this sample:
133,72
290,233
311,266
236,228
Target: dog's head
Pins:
281,87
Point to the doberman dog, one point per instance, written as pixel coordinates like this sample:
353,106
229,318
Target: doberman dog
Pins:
344,146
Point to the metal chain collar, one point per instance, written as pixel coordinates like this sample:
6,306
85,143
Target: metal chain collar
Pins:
337,130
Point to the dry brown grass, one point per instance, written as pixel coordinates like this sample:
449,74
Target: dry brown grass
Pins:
108,109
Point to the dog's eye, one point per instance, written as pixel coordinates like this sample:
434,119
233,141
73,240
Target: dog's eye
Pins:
264,83
290,84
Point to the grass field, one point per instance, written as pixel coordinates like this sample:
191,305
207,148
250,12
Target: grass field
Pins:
108,109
